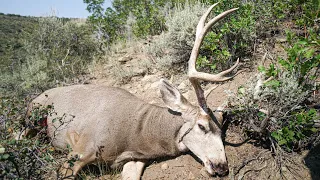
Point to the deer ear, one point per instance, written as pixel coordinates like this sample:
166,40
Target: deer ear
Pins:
172,97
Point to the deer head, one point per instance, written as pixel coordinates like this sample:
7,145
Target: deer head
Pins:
201,133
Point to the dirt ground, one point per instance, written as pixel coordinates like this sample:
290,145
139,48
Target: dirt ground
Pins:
247,159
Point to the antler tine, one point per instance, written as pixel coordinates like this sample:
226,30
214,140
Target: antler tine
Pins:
217,18
203,19
216,77
193,74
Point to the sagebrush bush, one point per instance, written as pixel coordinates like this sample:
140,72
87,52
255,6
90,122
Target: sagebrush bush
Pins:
56,52
279,98
274,109
175,45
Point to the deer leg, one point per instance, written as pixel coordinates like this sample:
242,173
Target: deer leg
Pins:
81,155
71,168
132,170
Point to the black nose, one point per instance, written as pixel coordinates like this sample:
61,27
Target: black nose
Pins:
221,169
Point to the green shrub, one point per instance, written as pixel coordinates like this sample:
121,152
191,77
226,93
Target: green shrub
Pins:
297,129
232,37
113,22
284,115
303,13
302,56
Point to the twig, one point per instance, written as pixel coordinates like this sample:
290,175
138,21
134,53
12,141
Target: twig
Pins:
244,163
269,79
208,92
264,57
256,170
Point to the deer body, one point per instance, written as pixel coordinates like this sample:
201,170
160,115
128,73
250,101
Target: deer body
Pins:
114,119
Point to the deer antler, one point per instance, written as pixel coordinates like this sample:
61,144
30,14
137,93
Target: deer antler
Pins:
193,74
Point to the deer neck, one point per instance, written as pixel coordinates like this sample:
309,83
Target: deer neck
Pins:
159,130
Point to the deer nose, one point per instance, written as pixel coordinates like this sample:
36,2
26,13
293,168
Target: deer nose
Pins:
221,169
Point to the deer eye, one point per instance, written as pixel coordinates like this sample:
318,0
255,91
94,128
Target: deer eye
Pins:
202,127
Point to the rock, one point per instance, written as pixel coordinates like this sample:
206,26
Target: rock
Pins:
281,39
125,59
284,169
191,176
186,95
146,87
150,78
164,166
136,71
182,86
152,102
133,91
155,85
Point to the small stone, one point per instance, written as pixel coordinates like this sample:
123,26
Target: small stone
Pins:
146,87
150,78
133,91
191,176
182,86
164,166
281,39
155,85
284,169
124,59
186,95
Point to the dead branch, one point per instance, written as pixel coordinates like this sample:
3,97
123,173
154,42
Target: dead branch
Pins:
208,92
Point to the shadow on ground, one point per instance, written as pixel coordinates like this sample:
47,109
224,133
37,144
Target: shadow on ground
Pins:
312,161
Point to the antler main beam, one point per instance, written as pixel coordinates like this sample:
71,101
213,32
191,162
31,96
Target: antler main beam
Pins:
193,74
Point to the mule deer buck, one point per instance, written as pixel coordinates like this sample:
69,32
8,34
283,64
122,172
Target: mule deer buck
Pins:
126,131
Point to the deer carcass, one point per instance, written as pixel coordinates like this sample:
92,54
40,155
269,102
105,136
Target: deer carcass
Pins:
125,130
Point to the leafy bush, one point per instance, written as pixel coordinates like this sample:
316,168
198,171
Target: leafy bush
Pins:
302,56
114,21
303,13
296,130
232,37
274,104
27,158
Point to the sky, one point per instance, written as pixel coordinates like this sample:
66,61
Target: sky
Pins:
60,8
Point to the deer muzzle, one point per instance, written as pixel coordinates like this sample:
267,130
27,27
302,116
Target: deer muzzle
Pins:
220,169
